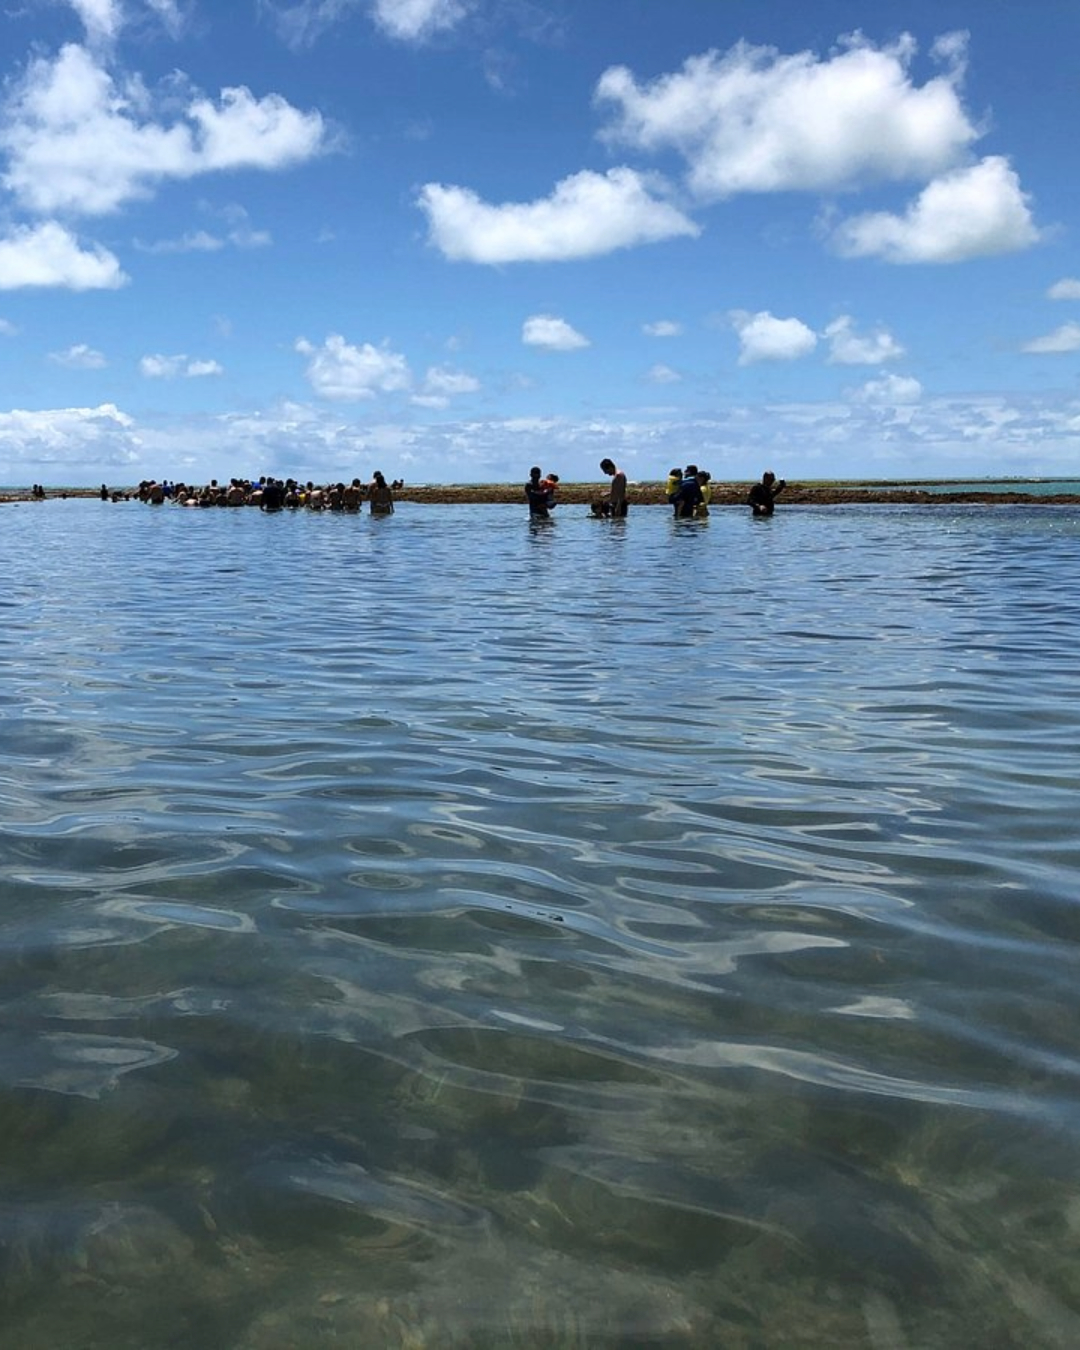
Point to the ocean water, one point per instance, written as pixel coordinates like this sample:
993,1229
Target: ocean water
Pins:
1030,487
449,931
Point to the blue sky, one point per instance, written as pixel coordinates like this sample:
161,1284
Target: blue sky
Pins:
452,238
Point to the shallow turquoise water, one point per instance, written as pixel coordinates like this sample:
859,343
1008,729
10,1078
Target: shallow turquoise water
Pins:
449,931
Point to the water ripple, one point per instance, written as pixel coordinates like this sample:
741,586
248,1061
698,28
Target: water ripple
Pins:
386,908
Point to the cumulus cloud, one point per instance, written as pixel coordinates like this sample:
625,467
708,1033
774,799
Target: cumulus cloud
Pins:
244,132
552,334
7,328
973,212
1068,288
77,140
346,373
417,20
1063,339
848,348
49,255
588,214
890,389
94,436
79,357
763,337
662,328
441,384
754,120
171,367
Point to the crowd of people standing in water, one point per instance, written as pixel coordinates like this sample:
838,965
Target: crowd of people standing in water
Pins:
275,494
688,491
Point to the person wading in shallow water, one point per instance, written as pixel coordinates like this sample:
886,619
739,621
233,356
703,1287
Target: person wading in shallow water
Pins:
540,495
617,495
380,496
688,496
762,496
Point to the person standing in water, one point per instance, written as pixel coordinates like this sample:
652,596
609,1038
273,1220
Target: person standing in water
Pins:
617,495
687,497
380,496
540,495
762,496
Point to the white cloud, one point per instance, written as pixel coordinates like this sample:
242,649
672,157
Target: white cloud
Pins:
415,20
49,255
763,337
552,334
79,357
251,238
170,367
662,328
848,348
199,241
754,120
1063,339
300,25
1068,288
168,11
661,374
338,370
244,132
93,437
971,213
7,328
240,234
78,141
879,436
890,389
303,22
161,367
101,18
441,384
202,241
587,215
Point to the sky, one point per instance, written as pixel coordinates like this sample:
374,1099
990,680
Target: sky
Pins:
450,239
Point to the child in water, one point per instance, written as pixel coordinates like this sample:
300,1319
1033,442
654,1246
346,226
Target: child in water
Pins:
705,483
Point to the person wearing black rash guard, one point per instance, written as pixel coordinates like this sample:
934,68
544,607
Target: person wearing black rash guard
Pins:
762,496
539,495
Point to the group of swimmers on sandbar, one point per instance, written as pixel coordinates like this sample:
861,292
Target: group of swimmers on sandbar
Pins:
688,492
276,494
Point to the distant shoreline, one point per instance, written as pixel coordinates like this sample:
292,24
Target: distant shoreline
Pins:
840,493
